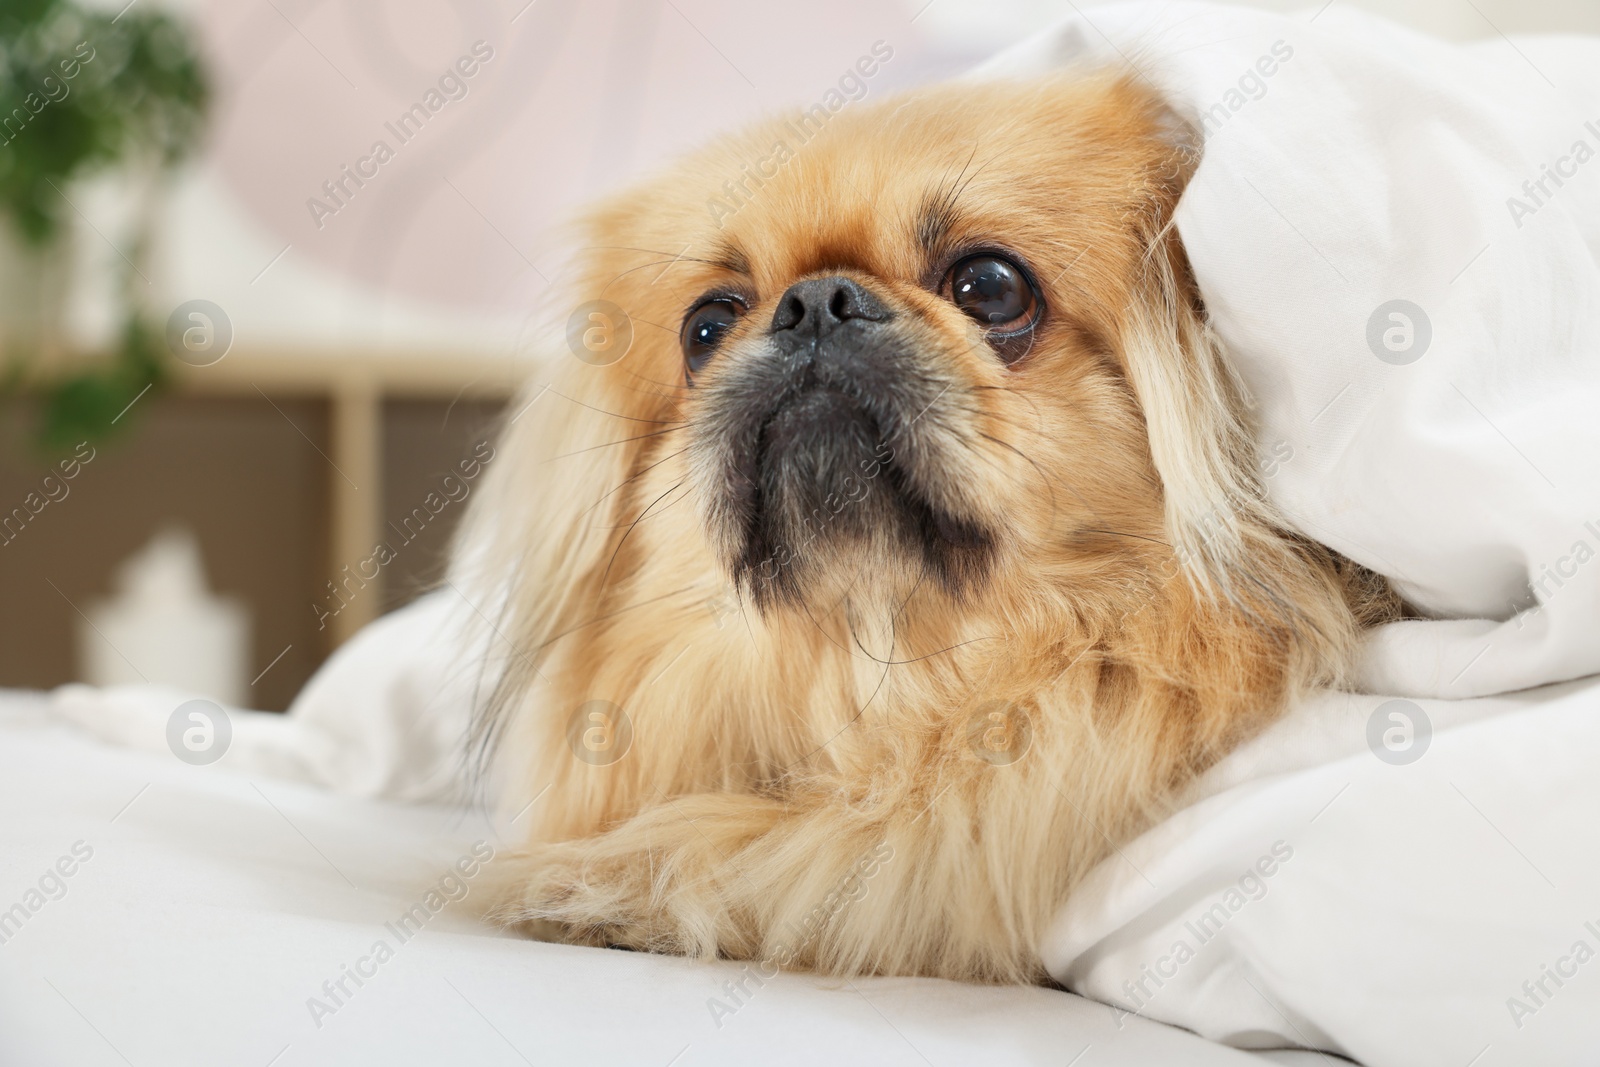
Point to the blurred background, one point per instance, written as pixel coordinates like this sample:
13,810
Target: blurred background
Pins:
268,270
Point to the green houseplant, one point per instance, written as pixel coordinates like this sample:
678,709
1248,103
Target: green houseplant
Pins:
83,92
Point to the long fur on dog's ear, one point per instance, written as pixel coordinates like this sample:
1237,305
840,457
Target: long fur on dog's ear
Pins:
1229,539
530,552
1190,400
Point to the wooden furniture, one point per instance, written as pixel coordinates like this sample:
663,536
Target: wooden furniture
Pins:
355,387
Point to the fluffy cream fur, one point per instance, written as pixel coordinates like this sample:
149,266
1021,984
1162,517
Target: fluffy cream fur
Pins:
889,774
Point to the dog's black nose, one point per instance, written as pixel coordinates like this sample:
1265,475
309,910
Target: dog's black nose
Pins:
819,305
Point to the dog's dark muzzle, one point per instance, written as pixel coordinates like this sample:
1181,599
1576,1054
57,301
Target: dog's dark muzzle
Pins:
818,429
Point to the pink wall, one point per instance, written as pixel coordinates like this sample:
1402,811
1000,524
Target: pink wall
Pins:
577,98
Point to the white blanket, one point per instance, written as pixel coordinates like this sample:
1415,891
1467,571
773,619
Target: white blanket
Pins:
210,918
1418,323
1408,883
1397,241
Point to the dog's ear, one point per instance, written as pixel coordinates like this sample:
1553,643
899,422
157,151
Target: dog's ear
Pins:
531,550
1193,409
1194,406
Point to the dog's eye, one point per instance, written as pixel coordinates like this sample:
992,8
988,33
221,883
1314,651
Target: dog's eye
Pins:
994,291
703,330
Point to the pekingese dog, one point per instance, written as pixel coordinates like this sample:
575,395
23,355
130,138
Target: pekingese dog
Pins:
909,560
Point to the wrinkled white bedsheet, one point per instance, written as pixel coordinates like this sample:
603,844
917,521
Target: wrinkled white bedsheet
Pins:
212,907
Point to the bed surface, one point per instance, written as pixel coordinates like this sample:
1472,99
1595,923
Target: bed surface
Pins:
212,907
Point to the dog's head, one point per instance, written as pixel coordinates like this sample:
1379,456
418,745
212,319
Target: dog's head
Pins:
898,340
932,368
